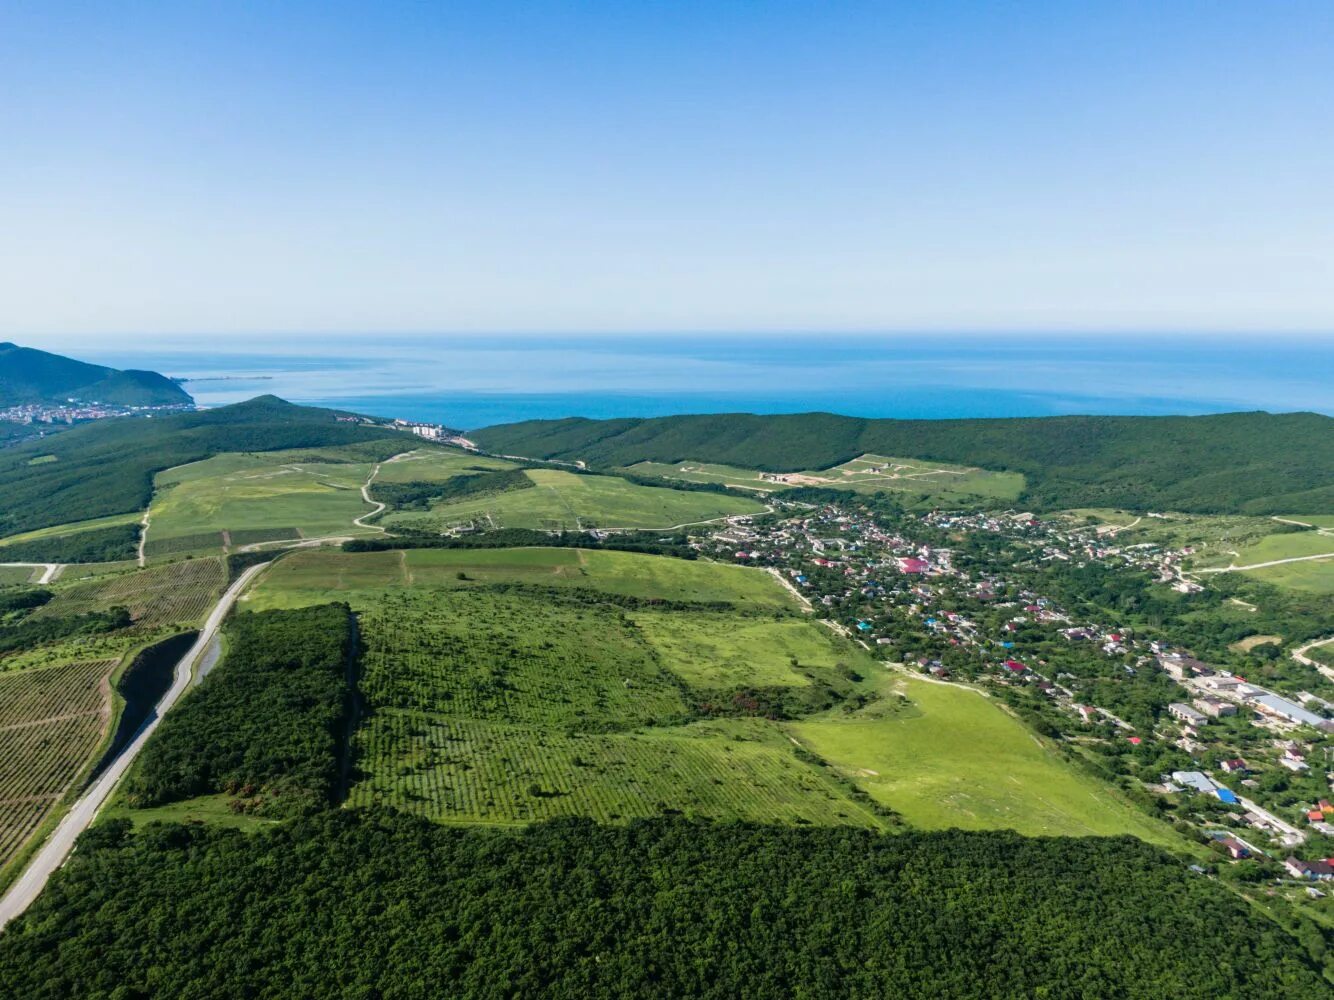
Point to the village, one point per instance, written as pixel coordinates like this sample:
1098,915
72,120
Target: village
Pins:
991,599
75,411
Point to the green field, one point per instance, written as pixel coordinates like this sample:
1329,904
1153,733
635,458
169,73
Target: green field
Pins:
710,650
1316,575
265,492
317,576
459,770
437,465
506,706
867,474
564,501
10,575
1288,545
955,759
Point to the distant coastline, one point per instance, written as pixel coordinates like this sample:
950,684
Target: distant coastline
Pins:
473,382
182,380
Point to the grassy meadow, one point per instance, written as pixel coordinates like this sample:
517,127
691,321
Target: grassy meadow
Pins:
565,501
943,756
317,576
568,694
245,493
437,465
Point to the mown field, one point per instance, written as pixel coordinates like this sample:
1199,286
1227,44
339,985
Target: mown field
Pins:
949,757
866,474
51,722
258,497
565,501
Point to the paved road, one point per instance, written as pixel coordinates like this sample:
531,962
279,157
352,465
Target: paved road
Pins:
81,814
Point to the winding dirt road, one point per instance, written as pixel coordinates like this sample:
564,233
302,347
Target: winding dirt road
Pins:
58,846
1262,565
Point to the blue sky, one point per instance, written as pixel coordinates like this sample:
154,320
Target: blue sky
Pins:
735,166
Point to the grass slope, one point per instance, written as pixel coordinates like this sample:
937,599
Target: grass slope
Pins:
951,758
246,493
1256,462
569,502
494,705
317,577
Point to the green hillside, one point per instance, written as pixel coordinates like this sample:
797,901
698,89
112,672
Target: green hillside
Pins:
1232,462
107,467
28,375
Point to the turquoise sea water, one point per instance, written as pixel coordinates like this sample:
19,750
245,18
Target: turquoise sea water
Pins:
471,382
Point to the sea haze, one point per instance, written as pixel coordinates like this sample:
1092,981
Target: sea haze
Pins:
474,381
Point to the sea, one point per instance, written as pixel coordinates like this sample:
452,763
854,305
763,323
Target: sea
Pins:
474,381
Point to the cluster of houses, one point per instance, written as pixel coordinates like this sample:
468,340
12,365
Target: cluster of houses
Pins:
884,587
73,412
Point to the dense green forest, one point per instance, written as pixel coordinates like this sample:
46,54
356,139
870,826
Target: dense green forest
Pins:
107,467
120,541
28,375
361,905
266,726
1248,462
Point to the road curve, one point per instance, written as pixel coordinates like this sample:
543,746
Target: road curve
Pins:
58,846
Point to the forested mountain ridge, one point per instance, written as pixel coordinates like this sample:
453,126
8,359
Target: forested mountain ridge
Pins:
107,466
28,375
1231,462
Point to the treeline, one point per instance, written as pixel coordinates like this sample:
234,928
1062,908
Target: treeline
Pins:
419,495
1234,462
107,467
266,726
14,599
505,538
112,544
356,905
30,632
